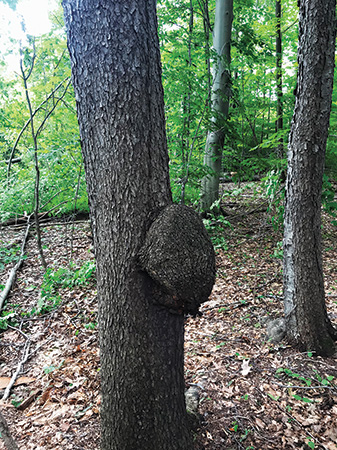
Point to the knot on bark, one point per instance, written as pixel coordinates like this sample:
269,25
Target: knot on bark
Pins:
179,256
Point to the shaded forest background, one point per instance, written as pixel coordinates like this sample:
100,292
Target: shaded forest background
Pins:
254,147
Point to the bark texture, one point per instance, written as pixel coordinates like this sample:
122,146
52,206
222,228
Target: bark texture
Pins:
305,310
279,92
6,435
115,58
178,254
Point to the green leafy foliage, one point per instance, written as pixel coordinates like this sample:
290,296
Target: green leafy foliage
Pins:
291,374
62,277
9,255
310,443
7,318
185,31
318,381
250,140
215,224
11,3
49,369
275,192
62,184
278,251
328,198
327,381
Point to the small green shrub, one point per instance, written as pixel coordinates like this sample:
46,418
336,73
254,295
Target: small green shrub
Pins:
278,250
63,277
215,225
8,256
7,318
275,193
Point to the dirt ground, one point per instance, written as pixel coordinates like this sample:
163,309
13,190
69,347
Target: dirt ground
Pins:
253,394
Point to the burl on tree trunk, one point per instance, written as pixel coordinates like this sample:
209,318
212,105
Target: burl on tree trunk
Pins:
179,256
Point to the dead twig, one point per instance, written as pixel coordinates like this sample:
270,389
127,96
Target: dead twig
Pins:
25,76
25,358
15,269
293,419
290,386
18,370
49,223
229,307
11,159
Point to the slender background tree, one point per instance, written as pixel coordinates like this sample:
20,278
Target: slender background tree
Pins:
220,101
304,299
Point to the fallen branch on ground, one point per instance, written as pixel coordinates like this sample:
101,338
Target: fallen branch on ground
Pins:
15,269
229,306
284,411
25,358
17,372
50,223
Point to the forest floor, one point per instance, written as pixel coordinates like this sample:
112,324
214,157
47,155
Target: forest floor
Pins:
253,394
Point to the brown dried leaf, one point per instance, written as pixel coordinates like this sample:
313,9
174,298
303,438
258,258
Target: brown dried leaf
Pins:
4,381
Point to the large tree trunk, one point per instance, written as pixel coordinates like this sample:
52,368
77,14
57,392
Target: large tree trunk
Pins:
304,299
220,101
115,58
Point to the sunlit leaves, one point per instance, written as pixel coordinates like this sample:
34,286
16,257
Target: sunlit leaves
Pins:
58,136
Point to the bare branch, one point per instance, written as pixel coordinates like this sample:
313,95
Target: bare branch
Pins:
10,161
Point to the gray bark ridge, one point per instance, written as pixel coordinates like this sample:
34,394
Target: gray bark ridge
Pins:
179,256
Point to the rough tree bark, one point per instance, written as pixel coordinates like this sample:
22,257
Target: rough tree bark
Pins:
5,434
304,299
279,92
115,57
219,101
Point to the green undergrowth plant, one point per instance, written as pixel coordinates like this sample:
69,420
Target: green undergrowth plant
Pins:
58,190
275,193
241,189
310,443
187,179
328,199
242,433
50,369
8,256
7,318
62,278
325,381
278,250
215,224
314,382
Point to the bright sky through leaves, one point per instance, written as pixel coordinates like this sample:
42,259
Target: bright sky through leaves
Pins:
32,13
